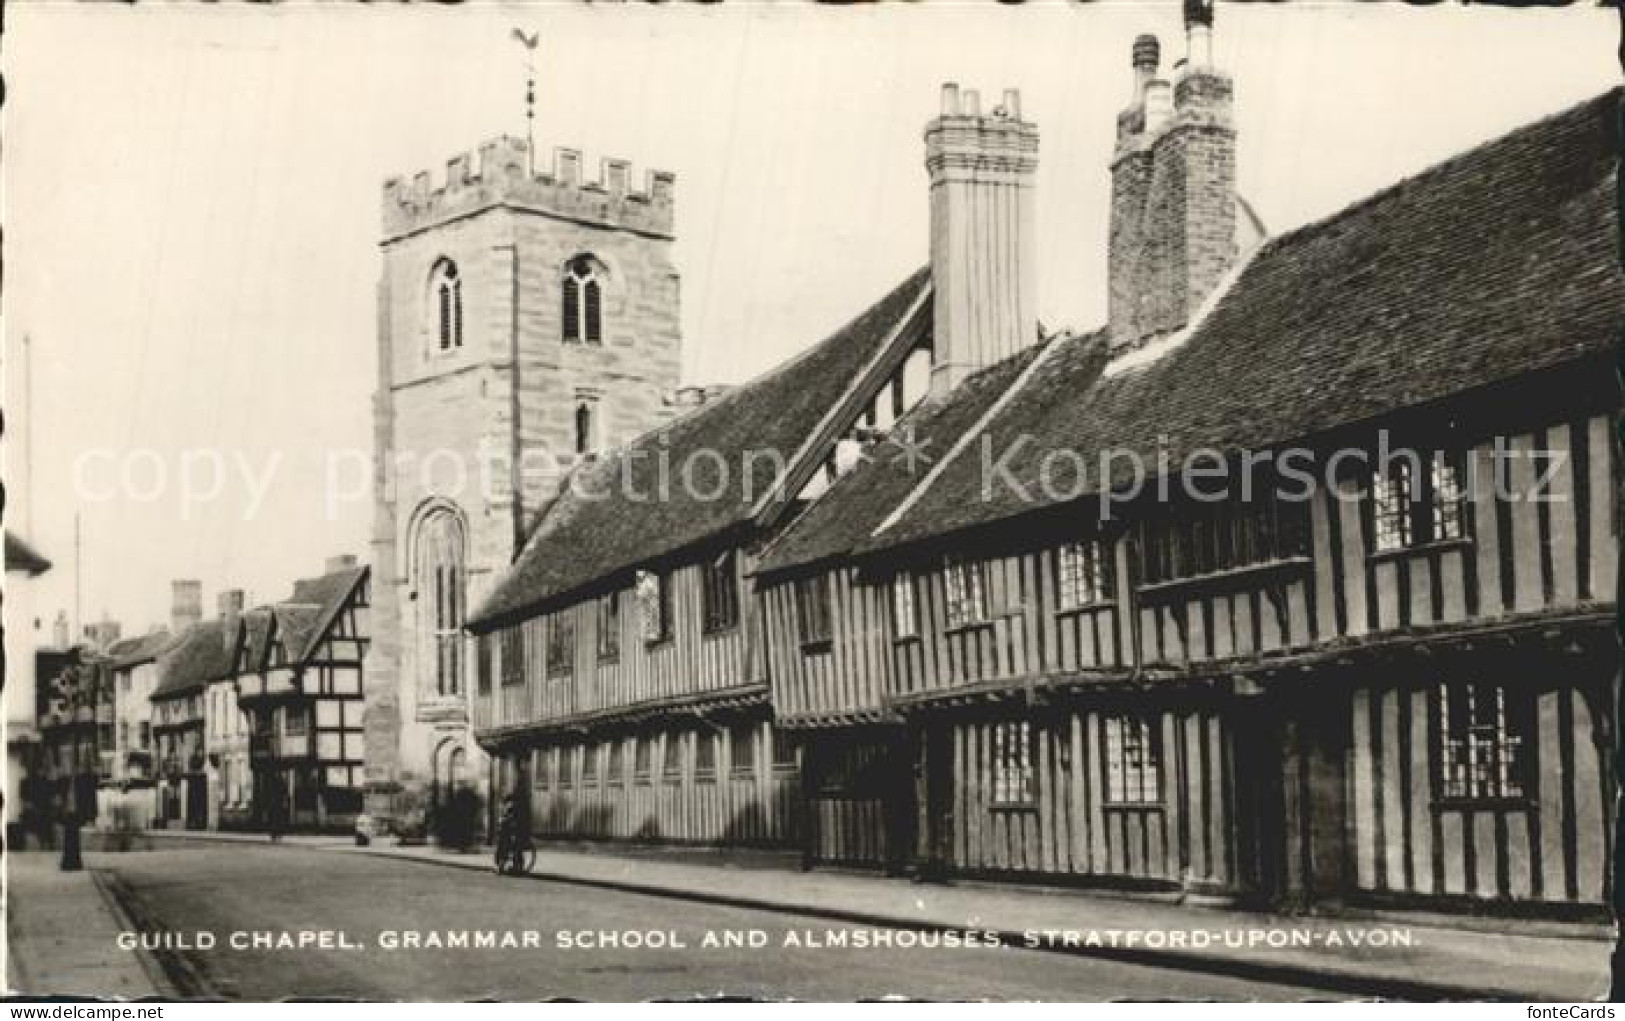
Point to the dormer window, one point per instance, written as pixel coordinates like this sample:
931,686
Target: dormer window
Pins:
582,299
446,291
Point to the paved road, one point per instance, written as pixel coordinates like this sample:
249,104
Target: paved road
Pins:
378,905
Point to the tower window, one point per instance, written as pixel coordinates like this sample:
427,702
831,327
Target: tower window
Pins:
586,429
439,577
446,290
582,293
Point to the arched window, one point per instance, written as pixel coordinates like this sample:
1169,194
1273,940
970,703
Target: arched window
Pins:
440,578
446,293
582,295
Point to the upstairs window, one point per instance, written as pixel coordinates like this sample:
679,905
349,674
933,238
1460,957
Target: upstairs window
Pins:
609,626
1195,539
654,605
1416,503
582,298
1013,765
812,610
966,585
1086,574
1133,769
561,644
513,656
1484,730
905,617
721,593
446,291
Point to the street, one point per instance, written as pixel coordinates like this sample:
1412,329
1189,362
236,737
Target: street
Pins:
370,912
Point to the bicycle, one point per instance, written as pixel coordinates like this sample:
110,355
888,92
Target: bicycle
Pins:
515,852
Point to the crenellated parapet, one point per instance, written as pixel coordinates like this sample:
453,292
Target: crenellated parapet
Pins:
500,173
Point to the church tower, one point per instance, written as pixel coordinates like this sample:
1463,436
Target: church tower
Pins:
526,320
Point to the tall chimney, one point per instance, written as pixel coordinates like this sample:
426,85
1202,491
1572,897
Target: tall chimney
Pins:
1131,180
229,607
1173,189
185,605
983,261
59,630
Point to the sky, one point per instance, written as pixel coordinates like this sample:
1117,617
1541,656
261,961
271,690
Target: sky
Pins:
191,201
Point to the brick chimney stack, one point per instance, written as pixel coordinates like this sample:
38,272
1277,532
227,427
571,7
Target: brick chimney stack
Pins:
1173,216
185,605
229,608
983,261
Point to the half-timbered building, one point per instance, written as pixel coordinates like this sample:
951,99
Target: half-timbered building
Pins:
621,675
1293,583
298,680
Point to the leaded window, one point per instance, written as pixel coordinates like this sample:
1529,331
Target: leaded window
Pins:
1013,783
812,609
609,626
1484,732
561,643
1133,767
1086,575
721,593
1415,500
654,605
965,581
904,611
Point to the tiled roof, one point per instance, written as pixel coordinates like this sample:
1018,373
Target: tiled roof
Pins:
200,655
1497,263
20,556
140,649
618,515
842,518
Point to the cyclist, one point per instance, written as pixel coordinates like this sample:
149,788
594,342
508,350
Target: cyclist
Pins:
514,852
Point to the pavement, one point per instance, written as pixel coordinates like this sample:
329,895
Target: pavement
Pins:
61,935
1401,958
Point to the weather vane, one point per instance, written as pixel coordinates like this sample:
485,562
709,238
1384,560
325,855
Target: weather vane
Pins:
530,42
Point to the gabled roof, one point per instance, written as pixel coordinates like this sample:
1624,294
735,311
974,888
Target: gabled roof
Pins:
1494,264
328,593
200,655
131,652
20,556
256,634
842,518
616,514
297,626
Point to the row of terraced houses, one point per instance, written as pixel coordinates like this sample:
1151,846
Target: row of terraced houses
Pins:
251,719
936,631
